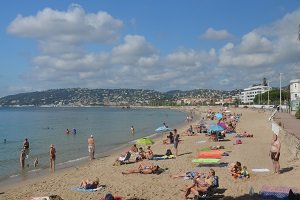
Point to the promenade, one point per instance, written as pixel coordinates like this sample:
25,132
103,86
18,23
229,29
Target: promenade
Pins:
289,123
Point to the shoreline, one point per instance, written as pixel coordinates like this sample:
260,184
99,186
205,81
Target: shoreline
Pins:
32,174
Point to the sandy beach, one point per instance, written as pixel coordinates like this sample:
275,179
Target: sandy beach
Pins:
254,153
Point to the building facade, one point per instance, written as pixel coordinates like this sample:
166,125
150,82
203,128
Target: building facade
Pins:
248,95
295,93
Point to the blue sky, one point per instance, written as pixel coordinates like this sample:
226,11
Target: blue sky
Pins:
160,45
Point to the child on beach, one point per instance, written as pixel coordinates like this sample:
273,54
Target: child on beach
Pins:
244,173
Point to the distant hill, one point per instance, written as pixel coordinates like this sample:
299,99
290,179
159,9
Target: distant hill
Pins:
94,97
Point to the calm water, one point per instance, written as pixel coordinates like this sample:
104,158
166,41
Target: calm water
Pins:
45,126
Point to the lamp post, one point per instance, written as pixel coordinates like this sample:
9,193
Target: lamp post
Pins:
269,94
280,91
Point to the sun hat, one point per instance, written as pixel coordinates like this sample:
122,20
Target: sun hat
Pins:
91,136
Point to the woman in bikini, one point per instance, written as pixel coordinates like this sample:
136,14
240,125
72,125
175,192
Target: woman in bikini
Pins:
52,157
143,169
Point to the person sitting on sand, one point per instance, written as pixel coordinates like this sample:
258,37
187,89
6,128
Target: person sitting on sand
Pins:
143,169
140,155
201,184
244,173
170,139
235,170
190,131
134,149
89,184
149,153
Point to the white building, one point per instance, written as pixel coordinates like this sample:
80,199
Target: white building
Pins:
295,89
248,95
295,94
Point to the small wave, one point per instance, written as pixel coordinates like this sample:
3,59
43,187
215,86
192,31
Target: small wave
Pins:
75,160
14,175
34,170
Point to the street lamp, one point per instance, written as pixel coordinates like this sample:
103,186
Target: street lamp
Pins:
280,91
269,93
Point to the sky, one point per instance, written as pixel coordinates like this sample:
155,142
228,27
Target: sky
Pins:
160,45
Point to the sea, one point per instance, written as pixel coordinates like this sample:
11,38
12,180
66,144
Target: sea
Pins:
43,126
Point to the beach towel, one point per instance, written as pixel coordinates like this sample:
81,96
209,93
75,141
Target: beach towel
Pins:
260,170
210,154
201,141
276,192
79,189
205,160
51,197
163,157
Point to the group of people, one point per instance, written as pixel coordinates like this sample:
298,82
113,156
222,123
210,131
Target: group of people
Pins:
25,155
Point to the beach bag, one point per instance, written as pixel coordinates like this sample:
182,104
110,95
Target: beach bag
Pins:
238,141
169,152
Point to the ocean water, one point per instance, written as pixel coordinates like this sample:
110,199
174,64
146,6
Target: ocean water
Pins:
45,126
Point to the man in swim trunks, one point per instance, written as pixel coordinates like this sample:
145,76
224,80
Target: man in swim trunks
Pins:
91,147
275,153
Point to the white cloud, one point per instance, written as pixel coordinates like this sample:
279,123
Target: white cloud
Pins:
212,34
134,62
71,27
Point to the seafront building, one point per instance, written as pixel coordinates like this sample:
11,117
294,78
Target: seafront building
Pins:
295,93
247,96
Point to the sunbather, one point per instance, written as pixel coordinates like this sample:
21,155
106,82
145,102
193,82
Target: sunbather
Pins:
187,175
89,184
149,153
244,134
143,169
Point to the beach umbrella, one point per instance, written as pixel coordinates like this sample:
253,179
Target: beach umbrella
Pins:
144,141
218,115
215,128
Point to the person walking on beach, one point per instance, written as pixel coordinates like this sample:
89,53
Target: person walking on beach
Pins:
22,158
176,141
275,153
26,147
52,153
91,147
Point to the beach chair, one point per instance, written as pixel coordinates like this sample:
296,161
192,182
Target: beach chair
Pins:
126,159
210,191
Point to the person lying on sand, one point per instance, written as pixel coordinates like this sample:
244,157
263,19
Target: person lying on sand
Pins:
143,169
244,134
201,184
187,175
89,184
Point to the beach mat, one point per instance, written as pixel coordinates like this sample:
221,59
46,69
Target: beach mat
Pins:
220,164
205,160
277,192
79,189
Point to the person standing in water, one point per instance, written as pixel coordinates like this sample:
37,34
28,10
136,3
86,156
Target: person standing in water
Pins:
52,153
22,158
91,147
275,153
132,131
26,147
